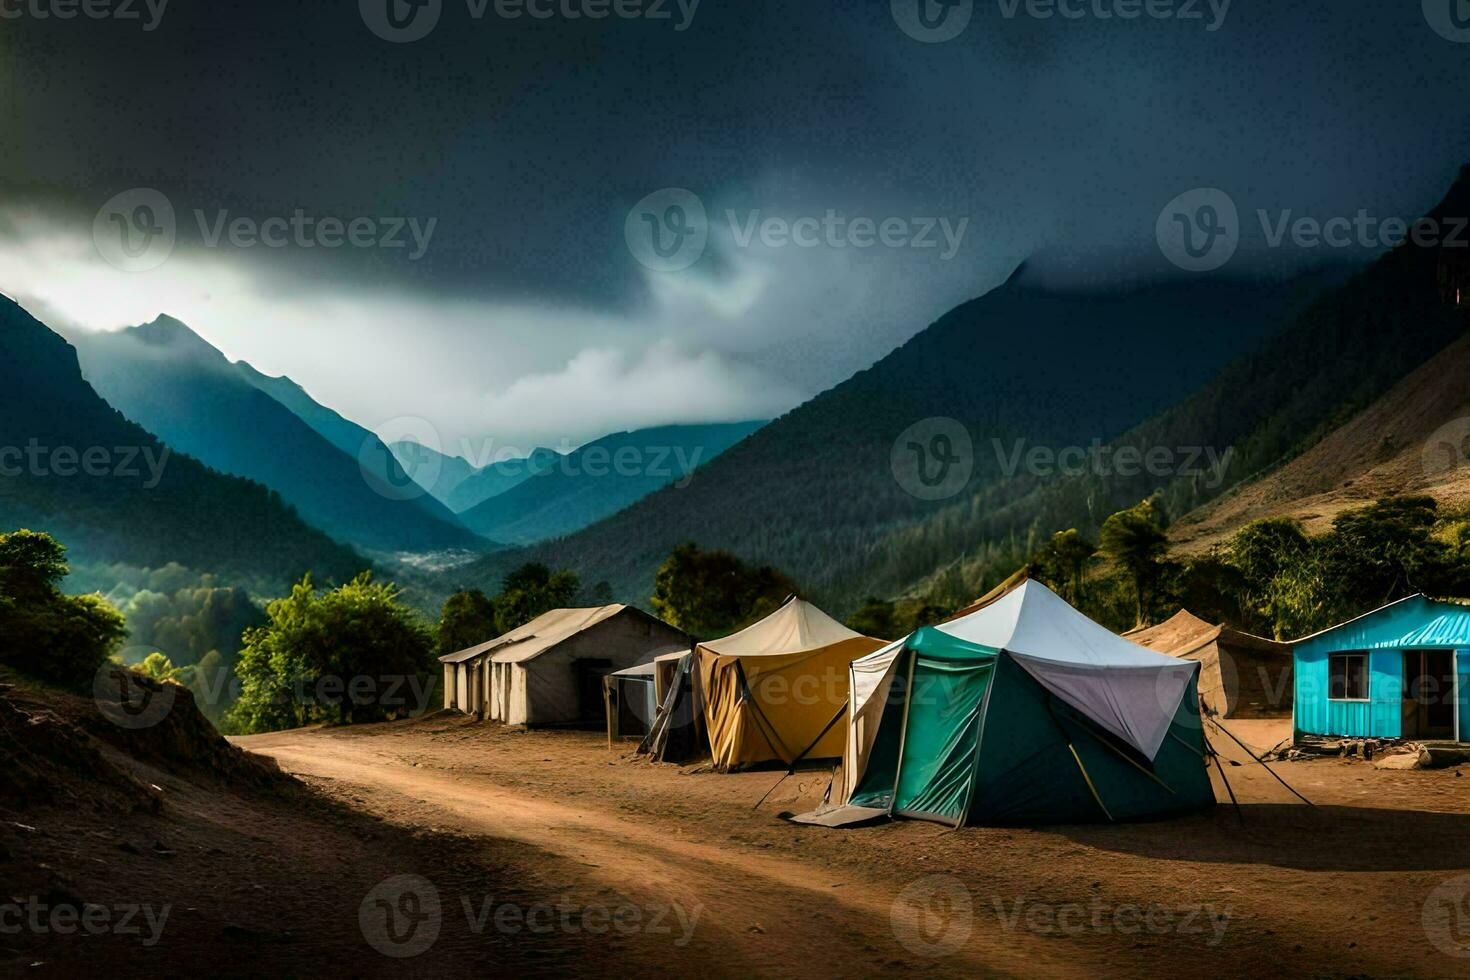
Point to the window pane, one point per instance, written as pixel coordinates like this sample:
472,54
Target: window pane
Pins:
1348,677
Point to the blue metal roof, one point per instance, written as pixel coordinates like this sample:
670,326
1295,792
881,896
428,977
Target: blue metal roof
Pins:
1415,622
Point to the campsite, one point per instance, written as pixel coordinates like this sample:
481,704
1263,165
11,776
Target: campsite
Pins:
1131,854
584,488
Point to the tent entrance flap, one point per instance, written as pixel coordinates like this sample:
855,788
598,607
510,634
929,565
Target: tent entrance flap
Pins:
937,766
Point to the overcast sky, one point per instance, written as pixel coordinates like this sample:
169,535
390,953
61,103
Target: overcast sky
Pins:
520,304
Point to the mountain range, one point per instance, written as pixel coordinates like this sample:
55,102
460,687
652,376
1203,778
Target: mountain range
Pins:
600,479
457,483
112,491
1297,396
169,380
1255,371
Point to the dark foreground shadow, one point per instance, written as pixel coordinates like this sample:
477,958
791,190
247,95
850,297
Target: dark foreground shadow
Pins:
1320,838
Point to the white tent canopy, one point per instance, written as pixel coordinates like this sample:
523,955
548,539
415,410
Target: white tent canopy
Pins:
1126,689
798,625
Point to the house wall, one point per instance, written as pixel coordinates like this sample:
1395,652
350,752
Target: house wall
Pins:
546,688
1381,716
449,685
1462,688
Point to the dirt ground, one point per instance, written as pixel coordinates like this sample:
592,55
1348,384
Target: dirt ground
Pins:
620,864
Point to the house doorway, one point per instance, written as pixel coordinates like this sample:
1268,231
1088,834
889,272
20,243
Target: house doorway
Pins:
588,674
1429,694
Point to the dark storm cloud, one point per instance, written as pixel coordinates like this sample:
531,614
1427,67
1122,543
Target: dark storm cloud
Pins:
528,140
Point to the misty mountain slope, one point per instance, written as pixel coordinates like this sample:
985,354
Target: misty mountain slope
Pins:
122,508
1345,350
165,377
1414,439
343,433
456,483
814,492
356,441
601,478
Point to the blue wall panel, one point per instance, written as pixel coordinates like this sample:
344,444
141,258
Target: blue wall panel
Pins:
1462,691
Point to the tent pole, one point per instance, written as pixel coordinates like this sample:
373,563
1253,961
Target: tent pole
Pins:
1261,761
821,735
1088,780
1233,802
607,710
903,730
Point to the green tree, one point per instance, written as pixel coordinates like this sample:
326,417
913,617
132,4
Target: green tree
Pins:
712,593
1065,560
44,633
1280,573
531,590
352,654
1135,539
157,666
32,565
874,618
467,619
1387,550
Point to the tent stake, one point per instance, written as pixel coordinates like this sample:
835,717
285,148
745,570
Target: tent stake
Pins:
1261,761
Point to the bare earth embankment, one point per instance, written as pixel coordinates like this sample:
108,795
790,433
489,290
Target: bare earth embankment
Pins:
1414,439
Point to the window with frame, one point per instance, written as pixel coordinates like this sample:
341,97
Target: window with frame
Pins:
1347,677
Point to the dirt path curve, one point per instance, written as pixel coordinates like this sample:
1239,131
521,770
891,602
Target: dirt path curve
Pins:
748,912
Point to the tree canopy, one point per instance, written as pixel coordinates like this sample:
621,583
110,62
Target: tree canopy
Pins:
713,593
44,633
351,654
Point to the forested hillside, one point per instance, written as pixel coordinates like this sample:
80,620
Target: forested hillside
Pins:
1344,351
814,493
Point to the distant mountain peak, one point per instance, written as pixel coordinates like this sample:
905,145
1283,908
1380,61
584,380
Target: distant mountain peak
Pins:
173,334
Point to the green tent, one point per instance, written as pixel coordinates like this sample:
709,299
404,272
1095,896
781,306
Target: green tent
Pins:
1023,712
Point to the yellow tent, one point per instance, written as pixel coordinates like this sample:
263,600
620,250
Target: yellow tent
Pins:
777,690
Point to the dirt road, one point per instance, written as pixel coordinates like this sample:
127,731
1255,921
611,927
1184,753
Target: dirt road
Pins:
655,868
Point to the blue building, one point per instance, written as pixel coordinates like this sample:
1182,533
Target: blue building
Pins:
1402,671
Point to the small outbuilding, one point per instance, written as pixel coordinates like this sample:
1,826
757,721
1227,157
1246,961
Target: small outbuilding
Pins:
1402,671
630,703
550,671
1241,675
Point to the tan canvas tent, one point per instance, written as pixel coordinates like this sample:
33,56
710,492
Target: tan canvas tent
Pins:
550,671
1241,676
777,690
